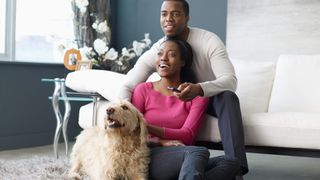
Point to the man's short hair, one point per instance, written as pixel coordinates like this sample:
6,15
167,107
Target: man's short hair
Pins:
184,4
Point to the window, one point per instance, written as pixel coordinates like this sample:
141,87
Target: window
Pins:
2,25
40,27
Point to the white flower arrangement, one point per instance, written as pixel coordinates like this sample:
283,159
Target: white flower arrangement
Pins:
108,58
101,54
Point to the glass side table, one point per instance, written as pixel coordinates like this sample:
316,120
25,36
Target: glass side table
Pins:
60,94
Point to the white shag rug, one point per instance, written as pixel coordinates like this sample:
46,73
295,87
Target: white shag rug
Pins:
35,168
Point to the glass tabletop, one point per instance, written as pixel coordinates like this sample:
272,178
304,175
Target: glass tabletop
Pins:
79,96
53,80
85,99
73,96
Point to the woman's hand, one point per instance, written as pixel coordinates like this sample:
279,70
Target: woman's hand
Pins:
155,130
171,143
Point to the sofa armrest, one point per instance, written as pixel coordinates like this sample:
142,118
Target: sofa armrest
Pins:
105,83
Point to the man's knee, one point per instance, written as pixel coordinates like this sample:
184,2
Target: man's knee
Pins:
228,96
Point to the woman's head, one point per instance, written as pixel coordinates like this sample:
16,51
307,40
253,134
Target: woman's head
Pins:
175,59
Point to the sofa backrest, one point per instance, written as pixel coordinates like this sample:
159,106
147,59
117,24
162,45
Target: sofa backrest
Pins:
297,84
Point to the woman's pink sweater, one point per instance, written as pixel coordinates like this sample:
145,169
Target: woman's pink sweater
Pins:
180,119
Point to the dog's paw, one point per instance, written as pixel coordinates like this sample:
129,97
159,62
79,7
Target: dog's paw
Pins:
74,175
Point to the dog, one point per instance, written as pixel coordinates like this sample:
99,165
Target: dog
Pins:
117,152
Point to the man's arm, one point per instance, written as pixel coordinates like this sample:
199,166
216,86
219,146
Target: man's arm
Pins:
211,53
143,68
222,68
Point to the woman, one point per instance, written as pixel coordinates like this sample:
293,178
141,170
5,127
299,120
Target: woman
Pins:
174,123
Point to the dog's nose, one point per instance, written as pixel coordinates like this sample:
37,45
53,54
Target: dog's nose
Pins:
110,110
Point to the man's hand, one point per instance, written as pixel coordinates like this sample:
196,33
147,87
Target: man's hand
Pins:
188,91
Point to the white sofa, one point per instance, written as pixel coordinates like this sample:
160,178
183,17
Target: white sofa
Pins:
280,102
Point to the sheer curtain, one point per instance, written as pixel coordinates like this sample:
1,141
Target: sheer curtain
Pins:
83,31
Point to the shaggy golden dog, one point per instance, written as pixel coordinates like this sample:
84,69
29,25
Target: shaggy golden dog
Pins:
117,152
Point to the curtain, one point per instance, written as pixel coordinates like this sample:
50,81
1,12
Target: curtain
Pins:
83,31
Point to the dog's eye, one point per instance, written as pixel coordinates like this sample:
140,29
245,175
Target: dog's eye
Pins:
124,107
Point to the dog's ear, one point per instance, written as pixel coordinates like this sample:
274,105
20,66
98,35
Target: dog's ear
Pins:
143,128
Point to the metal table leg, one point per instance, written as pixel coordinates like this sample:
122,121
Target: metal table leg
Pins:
66,116
95,109
55,105
60,93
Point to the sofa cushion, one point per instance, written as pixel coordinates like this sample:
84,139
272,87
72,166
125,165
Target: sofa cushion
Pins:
106,83
296,87
283,129
255,81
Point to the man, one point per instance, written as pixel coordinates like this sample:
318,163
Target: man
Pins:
214,73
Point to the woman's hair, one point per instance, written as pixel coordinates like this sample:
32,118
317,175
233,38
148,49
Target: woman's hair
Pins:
186,74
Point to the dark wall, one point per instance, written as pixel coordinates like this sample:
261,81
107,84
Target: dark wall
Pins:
26,114
132,18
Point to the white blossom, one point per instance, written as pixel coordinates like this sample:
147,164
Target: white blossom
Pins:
103,27
86,52
112,54
138,47
100,46
146,39
125,52
82,5
95,25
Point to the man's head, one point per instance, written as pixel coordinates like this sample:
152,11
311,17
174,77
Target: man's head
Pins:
174,18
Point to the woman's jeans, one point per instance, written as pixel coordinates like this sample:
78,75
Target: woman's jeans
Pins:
189,163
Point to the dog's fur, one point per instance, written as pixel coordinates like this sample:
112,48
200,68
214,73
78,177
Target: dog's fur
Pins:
118,152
